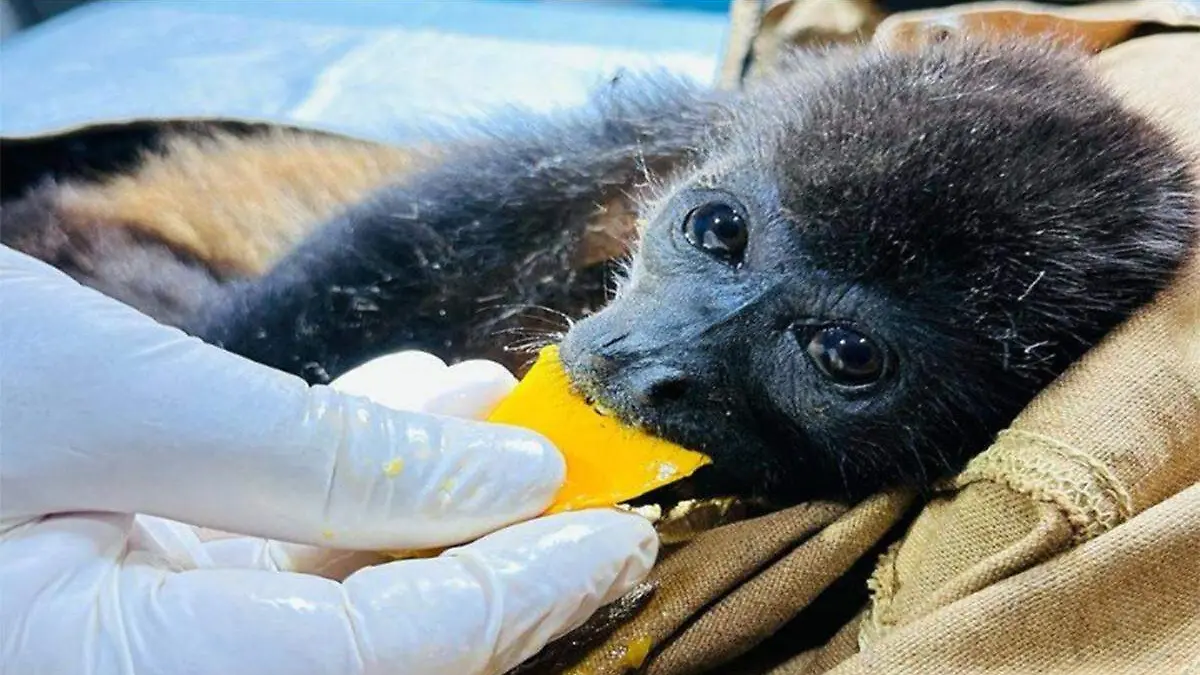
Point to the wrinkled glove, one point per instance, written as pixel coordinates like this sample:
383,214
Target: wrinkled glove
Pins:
105,414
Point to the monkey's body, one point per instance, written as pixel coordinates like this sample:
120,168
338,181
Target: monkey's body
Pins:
850,276
199,211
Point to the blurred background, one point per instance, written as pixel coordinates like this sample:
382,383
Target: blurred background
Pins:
380,69
16,15
384,70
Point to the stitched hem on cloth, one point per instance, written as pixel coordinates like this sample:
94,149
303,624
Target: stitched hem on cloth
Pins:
1091,498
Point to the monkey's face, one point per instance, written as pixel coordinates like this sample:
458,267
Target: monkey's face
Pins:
729,338
875,272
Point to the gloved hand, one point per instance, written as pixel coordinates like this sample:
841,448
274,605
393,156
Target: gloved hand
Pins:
106,414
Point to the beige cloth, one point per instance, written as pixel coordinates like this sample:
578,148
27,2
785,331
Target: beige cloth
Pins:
1071,546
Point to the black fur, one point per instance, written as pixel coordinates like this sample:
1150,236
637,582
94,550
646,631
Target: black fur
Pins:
424,263
986,213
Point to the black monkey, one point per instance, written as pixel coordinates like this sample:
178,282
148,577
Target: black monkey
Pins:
849,276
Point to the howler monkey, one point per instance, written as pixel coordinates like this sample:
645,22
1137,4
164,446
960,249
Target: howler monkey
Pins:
849,275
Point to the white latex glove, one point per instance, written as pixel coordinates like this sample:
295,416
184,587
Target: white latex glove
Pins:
105,414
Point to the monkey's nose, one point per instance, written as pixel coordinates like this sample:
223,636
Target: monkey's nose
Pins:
657,384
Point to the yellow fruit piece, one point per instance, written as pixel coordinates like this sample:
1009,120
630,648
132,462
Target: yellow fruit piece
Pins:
607,463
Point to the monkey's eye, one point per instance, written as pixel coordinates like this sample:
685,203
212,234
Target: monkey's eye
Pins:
846,356
718,229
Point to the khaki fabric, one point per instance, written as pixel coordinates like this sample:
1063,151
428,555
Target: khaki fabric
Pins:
696,626
725,591
761,30
1095,26
1071,546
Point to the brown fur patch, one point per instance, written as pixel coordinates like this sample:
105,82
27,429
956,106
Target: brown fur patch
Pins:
113,258
237,203
240,203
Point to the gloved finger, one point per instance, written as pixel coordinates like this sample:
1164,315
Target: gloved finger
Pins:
470,389
517,590
478,610
106,410
279,556
183,545
477,384
176,541
400,381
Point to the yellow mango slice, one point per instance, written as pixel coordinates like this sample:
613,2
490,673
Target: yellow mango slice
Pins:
607,463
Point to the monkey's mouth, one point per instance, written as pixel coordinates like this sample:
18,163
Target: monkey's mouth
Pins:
683,509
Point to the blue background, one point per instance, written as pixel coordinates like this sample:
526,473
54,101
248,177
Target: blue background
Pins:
381,69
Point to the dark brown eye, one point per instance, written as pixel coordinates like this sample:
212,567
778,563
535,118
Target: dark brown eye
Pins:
846,356
718,229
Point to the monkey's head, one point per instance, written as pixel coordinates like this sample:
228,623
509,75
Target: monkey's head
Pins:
879,262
